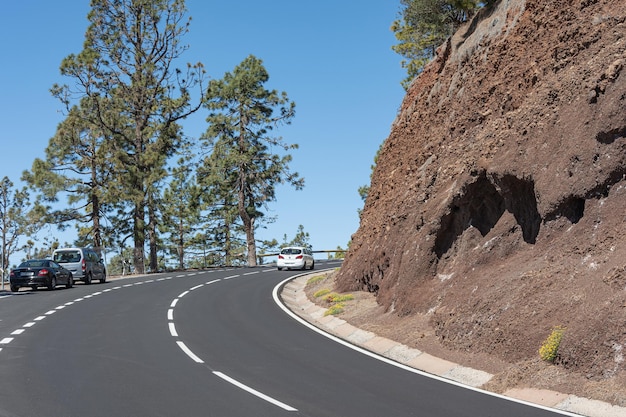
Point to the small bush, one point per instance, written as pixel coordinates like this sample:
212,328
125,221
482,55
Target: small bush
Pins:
321,292
550,347
338,298
334,309
316,279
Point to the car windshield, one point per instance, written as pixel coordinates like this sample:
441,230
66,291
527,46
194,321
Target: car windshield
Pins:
291,251
67,256
33,263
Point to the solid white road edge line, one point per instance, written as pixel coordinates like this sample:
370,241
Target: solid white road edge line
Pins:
254,392
371,354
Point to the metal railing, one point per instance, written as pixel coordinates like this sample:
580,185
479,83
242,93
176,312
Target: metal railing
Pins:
262,255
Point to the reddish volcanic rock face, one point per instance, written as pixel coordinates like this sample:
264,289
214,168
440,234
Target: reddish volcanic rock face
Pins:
498,204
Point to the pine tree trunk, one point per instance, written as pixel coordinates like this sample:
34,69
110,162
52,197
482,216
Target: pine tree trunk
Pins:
251,244
248,222
152,236
139,239
181,244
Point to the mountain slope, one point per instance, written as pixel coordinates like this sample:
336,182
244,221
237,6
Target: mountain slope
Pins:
497,207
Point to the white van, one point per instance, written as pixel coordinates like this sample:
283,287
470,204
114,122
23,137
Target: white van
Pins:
84,264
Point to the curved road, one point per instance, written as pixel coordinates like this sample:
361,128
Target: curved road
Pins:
209,343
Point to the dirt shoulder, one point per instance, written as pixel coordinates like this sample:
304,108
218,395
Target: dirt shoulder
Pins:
416,331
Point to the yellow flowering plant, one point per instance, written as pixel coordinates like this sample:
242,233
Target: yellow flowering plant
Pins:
550,347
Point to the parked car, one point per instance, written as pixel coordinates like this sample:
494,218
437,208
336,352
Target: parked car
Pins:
36,273
295,257
85,264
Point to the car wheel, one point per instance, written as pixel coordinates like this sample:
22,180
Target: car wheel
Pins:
15,288
33,287
312,265
104,277
88,278
280,269
53,283
70,282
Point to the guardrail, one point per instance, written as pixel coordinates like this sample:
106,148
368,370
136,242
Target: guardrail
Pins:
262,255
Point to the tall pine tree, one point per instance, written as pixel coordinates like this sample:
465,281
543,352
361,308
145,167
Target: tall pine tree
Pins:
243,116
126,74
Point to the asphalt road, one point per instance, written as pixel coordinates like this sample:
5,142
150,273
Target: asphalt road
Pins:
211,343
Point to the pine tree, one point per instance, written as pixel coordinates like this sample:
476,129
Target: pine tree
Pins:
76,165
301,239
126,74
16,221
240,125
424,25
181,207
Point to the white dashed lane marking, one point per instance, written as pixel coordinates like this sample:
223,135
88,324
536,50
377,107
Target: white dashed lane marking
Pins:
173,331
195,358
7,340
254,392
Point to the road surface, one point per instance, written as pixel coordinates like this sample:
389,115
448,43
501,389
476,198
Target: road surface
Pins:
201,343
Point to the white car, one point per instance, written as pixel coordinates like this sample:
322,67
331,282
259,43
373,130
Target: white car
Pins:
295,257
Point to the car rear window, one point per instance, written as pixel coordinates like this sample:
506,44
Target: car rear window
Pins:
33,264
67,256
291,251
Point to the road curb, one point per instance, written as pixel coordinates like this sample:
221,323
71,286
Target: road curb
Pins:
294,297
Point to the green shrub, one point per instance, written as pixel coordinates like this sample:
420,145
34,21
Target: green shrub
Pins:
316,279
334,309
321,292
338,298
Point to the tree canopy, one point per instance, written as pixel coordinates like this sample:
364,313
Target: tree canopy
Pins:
131,97
120,168
424,25
17,218
243,116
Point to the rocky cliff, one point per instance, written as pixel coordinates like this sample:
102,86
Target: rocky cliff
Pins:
497,209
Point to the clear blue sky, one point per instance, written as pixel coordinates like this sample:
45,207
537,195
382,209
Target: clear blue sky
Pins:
332,57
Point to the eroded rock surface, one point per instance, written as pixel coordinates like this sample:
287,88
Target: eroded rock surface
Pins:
498,205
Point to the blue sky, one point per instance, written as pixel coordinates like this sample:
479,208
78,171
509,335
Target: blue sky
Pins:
332,57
